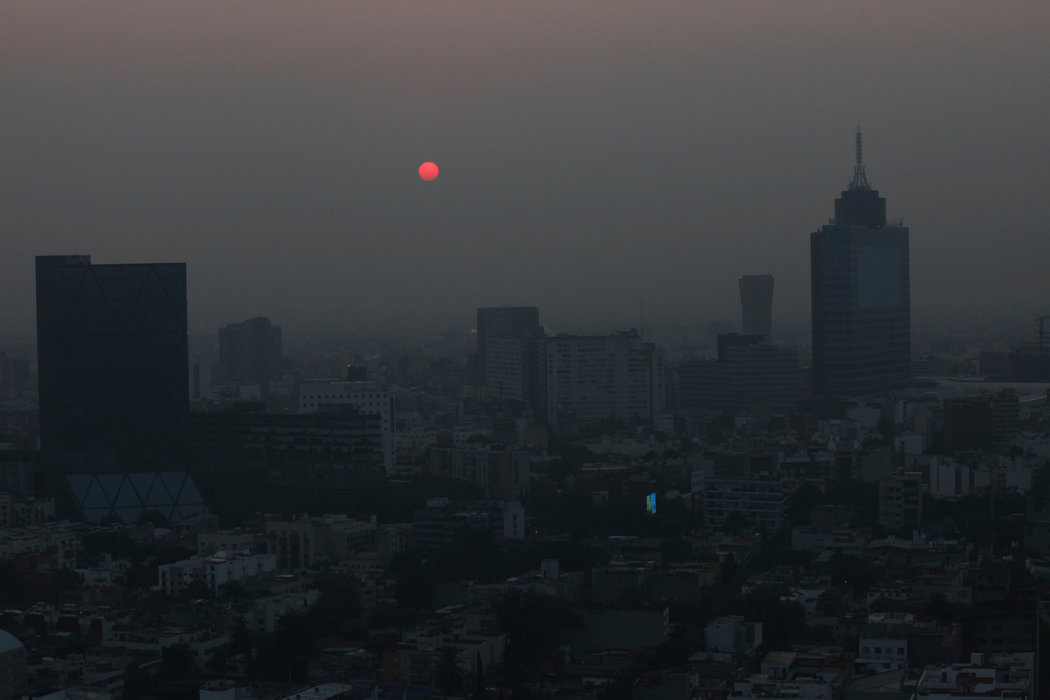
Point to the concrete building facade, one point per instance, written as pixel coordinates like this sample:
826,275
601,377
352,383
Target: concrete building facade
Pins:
594,378
367,396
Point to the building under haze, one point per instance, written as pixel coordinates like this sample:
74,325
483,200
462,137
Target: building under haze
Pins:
756,305
250,352
1027,362
861,298
320,395
287,462
593,378
750,376
499,355
114,385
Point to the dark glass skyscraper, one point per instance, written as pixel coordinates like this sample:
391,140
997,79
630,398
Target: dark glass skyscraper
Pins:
861,296
497,323
114,381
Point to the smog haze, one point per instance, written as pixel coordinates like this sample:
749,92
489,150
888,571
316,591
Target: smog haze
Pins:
592,154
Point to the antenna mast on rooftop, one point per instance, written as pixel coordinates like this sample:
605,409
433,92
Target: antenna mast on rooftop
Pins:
860,180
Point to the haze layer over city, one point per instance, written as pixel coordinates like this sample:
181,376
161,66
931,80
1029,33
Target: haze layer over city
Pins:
561,349
591,156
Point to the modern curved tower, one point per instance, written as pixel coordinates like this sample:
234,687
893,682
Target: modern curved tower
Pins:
756,304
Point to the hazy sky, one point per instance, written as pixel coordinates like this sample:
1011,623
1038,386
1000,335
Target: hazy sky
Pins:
592,153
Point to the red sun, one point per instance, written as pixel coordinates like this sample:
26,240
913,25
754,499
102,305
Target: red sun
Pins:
428,171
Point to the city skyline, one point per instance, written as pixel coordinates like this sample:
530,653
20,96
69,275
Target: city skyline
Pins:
589,160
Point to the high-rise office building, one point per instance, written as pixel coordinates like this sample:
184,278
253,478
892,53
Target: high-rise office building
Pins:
500,323
861,298
250,352
114,385
756,305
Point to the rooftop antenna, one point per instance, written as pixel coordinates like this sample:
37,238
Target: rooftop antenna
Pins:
860,180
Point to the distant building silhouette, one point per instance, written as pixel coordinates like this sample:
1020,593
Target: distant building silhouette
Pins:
14,373
568,381
250,352
750,376
756,303
496,361
861,296
498,471
982,421
114,385
1027,362
589,379
287,462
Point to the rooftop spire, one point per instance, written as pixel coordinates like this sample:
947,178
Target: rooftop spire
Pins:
860,180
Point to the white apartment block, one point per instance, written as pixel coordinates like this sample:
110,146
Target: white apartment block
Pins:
202,643
57,537
762,502
733,634
881,648
995,676
214,571
227,541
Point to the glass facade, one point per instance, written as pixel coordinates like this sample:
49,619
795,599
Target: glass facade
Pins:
861,307
113,372
129,495
861,296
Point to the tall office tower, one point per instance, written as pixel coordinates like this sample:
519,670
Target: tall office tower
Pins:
756,305
114,385
497,322
861,298
250,352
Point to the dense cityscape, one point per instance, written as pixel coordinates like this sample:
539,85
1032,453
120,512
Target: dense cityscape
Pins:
503,511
